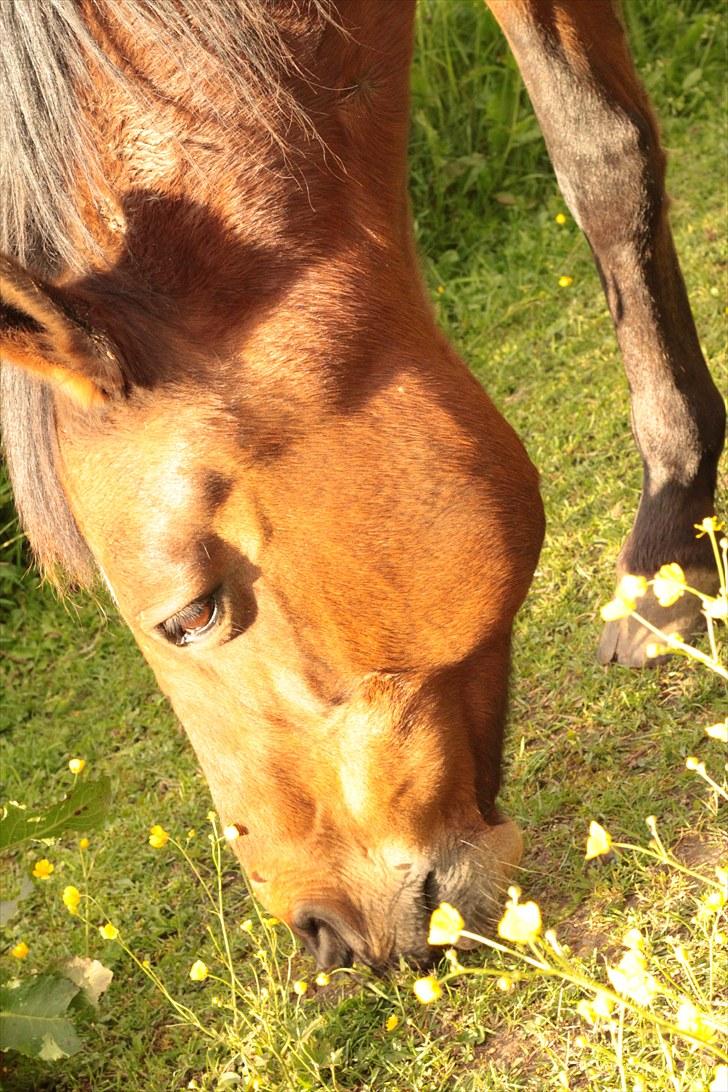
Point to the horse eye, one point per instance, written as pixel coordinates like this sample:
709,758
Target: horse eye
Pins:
192,622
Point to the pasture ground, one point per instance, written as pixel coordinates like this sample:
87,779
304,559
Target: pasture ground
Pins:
585,743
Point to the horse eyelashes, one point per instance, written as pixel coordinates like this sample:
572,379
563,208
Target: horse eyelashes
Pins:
190,623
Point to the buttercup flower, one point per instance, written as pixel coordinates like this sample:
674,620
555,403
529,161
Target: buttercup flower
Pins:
653,649
427,989
109,931
392,1022
710,523
76,765
446,925
158,837
615,609
631,978
322,979
560,218
718,731
20,950
198,971
634,939
598,843
631,587
43,869
521,922
71,899
565,282
669,584
300,986
716,608
691,1020
83,843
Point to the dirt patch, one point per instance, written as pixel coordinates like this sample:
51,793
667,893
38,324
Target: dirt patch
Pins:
703,851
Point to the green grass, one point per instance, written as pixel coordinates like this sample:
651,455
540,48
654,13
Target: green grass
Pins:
584,743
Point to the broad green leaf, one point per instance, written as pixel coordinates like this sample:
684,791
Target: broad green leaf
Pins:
83,809
33,1018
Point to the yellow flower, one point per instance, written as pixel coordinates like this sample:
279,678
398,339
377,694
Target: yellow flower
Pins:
392,1022
158,837
711,905
191,833
427,989
247,925
271,922
710,523
631,587
693,763
616,609
445,925
720,1079
199,971
322,979
716,608
560,218
600,1008
718,731
653,649
689,1019
521,922
631,978
71,899
669,584
20,950
629,590
565,282
83,843
109,931
634,939
598,843
300,986
76,765
43,869
505,983
440,290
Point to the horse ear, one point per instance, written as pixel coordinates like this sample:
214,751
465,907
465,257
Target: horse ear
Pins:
40,330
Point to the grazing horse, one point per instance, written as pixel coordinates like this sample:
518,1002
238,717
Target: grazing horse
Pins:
225,393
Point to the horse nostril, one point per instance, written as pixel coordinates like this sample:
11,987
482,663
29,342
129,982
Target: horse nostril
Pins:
322,937
430,892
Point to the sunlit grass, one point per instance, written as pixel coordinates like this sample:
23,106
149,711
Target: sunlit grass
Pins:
585,744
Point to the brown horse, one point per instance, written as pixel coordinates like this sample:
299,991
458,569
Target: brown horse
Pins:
225,392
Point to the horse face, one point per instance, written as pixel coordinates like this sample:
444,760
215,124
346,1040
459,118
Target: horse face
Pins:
330,617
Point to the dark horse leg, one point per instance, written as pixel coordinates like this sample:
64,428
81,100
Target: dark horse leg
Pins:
603,141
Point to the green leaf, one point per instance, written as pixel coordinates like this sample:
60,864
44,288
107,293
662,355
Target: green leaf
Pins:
83,809
692,79
33,1018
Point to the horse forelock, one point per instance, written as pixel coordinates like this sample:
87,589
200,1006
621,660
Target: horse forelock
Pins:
51,172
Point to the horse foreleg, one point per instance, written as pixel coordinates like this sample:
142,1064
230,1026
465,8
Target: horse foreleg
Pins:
603,141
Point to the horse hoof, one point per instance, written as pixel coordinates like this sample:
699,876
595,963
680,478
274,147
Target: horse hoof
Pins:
626,641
